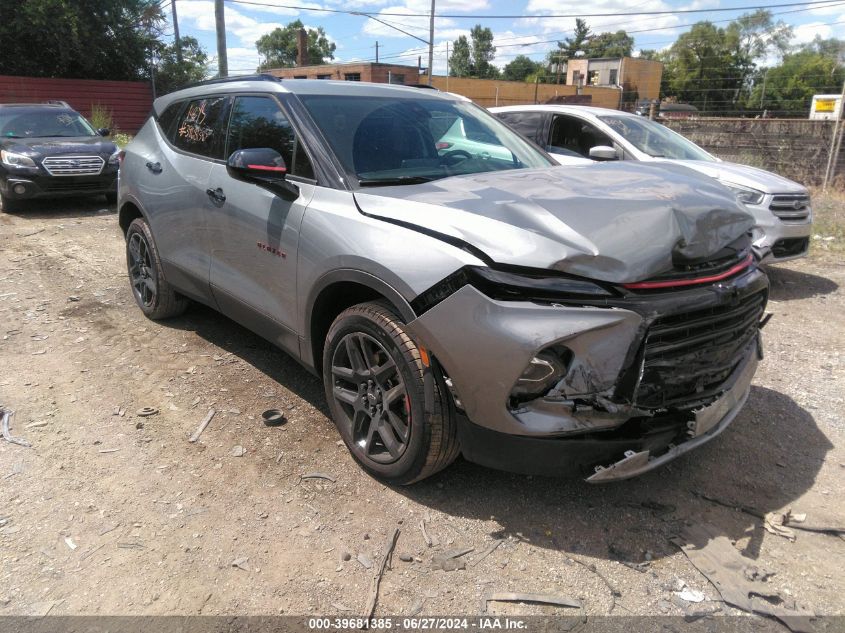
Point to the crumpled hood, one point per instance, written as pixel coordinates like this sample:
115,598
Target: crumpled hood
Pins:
745,175
42,147
616,222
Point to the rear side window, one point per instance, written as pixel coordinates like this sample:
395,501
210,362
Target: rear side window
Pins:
167,119
200,127
260,122
526,123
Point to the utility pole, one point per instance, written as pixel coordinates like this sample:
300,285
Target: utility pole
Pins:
763,91
176,31
376,51
220,21
447,66
835,142
431,44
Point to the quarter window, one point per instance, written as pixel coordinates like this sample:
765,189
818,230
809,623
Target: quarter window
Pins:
260,122
526,123
200,127
168,118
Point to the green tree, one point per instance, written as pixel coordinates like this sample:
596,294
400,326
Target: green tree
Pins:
170,74
520,68
701,68
471,57
460,61
790,86
618,44
80,39
278,47
574,46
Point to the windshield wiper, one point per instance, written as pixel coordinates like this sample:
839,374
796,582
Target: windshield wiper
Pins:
398,180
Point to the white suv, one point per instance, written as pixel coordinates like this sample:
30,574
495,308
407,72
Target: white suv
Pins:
780,206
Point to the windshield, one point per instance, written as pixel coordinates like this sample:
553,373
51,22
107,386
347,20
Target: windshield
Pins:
655,139
43,123
390,140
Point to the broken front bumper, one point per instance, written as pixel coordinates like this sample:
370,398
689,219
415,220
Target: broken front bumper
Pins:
624,398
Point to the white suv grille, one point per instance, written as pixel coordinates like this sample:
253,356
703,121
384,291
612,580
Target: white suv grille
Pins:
791,207
74,165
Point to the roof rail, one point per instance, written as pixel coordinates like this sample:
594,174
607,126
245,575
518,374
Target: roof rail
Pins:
57,102
223,80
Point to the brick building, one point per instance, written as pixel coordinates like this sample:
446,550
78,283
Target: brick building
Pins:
357,71
638,78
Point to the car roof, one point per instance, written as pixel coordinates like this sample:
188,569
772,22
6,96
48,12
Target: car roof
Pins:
571,109
268,84
37,106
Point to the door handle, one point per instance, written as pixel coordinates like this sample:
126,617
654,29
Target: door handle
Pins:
217,195
154,167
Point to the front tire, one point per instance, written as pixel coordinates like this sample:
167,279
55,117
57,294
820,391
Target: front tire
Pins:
156,298
375,380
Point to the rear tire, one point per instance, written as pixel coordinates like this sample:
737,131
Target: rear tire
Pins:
375,384
156,298
8,205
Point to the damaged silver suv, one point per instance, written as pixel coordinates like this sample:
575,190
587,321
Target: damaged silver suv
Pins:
598,319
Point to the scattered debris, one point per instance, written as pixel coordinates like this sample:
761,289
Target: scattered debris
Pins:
773,522
341,607
146,412
714,556
486,552
131,546
427,538
119,411
388,550
37,425
238,451
69,542
108,450
8,415
73,298
273,417
241,563
558,600
318,476
614,592
205,422
691,595
92,551
346,557
448,560
365,561
406,558
109,528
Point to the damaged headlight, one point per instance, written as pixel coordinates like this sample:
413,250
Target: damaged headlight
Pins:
746,195
543,372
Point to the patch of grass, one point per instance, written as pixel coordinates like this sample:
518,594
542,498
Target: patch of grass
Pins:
828,223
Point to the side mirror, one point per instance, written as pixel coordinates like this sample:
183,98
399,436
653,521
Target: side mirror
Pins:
603,152
104,131
263,166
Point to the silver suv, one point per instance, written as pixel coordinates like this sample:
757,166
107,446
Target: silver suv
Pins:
542,319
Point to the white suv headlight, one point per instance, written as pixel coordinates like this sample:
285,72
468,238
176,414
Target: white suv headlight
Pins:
746,195
18,160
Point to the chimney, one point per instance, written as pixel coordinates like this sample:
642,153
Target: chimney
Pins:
302,48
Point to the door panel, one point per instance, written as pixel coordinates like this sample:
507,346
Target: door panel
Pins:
254,233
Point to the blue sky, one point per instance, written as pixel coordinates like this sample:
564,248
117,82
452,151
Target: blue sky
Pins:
355,36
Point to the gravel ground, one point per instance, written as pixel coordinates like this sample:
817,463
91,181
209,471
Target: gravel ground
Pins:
113,513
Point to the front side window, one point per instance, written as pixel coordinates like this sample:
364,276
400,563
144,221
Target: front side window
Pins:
655,139
199,129
381,140
571,136
259,122
43,124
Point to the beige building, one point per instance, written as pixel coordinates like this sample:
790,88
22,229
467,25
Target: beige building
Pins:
638,78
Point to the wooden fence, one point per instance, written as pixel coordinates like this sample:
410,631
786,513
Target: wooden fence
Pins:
129,102
492,92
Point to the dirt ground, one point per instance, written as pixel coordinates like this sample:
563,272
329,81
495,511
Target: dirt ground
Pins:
119,514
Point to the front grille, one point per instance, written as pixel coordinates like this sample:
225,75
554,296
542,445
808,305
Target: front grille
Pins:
74,186
687,356
791,207
74,165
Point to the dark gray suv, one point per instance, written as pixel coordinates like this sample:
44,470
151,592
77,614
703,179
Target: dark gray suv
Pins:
600,319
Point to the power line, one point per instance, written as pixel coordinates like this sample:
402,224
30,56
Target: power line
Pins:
820,3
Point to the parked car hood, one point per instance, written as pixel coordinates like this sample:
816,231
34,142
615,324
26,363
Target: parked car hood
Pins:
46,146
615,222
745,175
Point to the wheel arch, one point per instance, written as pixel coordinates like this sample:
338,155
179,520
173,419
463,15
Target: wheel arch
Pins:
129,210
333,293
